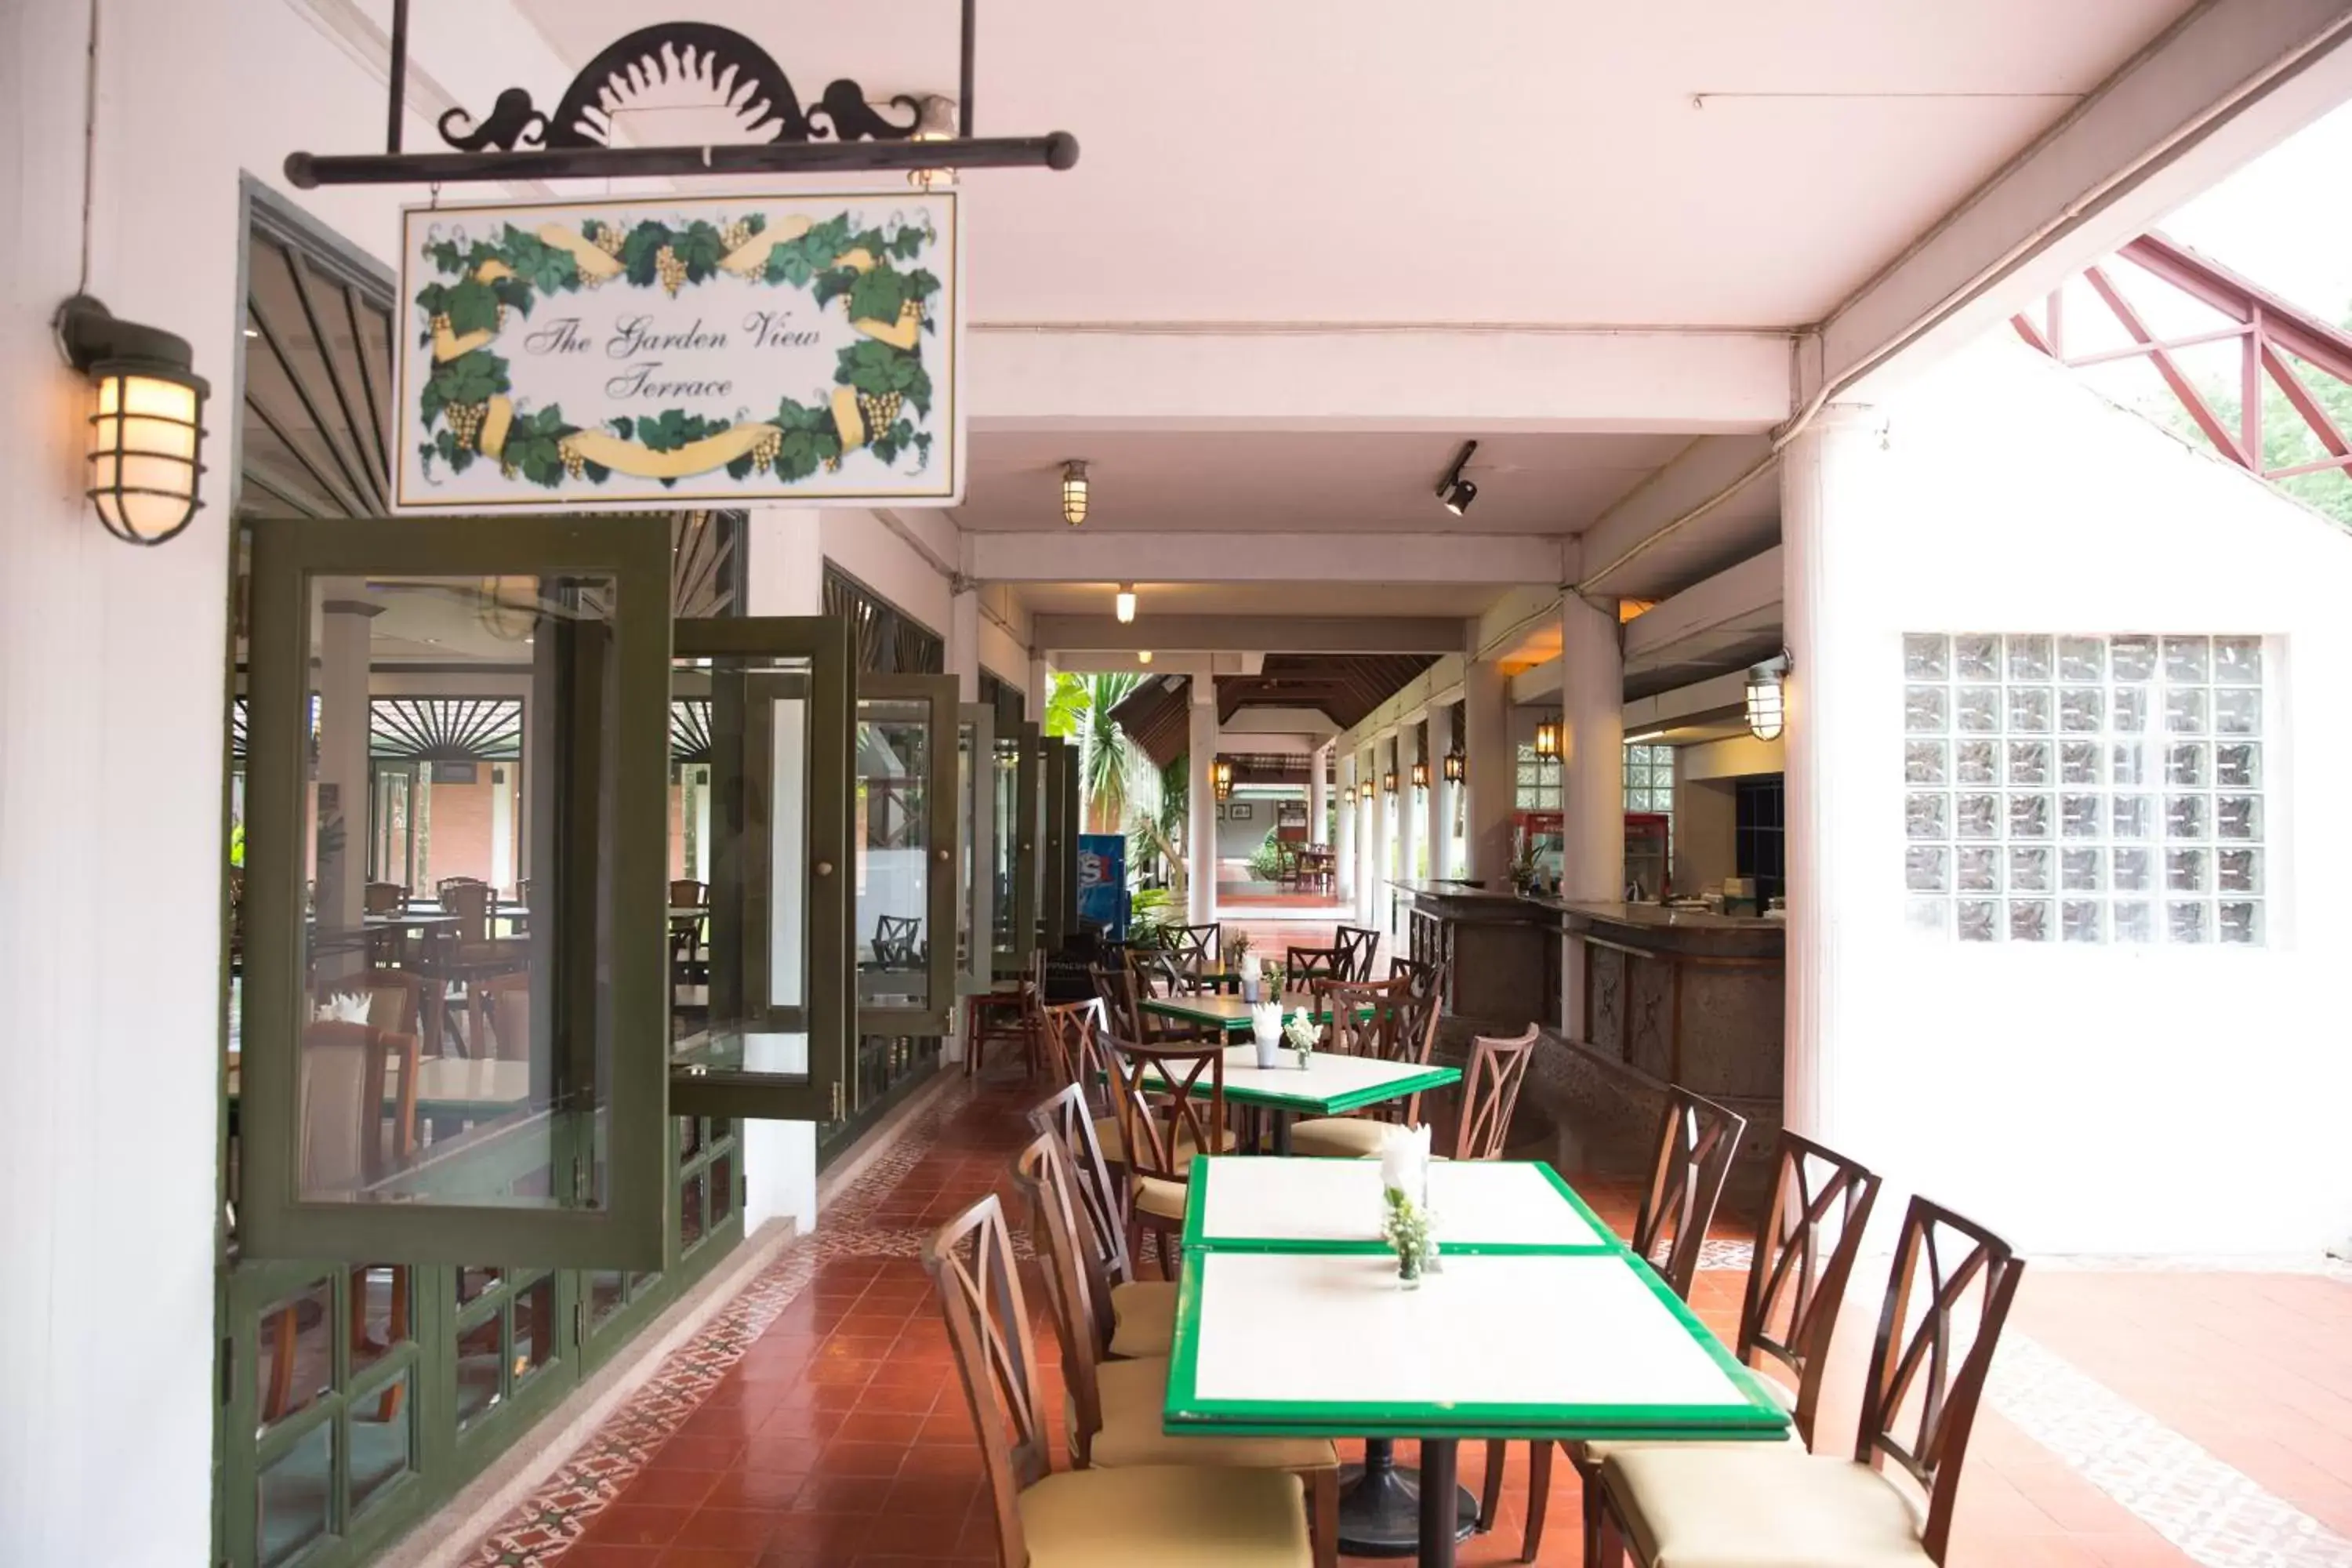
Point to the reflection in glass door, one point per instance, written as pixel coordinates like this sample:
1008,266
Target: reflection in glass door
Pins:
903,838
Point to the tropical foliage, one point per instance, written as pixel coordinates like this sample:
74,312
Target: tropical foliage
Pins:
1123,791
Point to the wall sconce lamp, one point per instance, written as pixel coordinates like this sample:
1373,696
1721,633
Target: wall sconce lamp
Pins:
1454,765
1074,492
147,432
1220,777
1548,739
1124,605
1364,792
1388,782
1767,714
1420,776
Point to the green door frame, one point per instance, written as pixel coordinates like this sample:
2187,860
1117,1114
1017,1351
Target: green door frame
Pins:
1053,912
1025,858
740,916
976,851
624,1230
939,887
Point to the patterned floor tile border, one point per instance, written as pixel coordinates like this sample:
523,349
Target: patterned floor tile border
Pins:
545,1524
2216,1514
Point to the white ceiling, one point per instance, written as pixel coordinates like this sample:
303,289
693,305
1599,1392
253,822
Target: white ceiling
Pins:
1304,482
1387,160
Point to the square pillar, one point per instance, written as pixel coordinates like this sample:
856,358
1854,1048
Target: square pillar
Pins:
1490,770
1201,852
1438,803
1592,752
1344,827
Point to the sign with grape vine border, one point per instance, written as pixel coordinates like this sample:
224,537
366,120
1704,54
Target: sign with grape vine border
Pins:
642,353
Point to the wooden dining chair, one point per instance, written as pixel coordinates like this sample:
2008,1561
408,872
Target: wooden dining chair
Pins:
383,898
998,1013
1947,1298
509,996
1167,1114
1357,946
1172,1516
1114,1406
1696,1143
343,1141
1302,966
1196,944
685,892
1490,1092
1140,1313
1379,1020
1804,1256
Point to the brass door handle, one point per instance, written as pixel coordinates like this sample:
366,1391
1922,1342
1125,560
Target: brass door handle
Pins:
824,867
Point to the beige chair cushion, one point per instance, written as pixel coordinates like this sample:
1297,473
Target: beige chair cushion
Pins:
1166,1516
1154,1197
1712,1506
1338,1137
1134,1396
1113,1142
1593,1456
1143,1317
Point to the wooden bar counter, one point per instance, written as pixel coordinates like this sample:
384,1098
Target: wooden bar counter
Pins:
1497,951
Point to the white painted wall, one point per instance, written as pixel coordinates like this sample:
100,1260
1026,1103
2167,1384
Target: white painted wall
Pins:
111,869
2077,1099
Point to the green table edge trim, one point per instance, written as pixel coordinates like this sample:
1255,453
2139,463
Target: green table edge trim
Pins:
1196,1204
1185,1412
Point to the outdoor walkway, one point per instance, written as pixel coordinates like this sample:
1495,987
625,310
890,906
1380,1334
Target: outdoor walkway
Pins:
2137,1418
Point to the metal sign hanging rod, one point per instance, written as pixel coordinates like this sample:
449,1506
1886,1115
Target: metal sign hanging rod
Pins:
781,134
1057,151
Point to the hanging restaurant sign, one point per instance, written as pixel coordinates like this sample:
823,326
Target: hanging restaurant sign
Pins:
621,354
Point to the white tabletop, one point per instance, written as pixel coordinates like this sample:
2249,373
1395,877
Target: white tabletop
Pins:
1332,1082
1502,1204
1581,1344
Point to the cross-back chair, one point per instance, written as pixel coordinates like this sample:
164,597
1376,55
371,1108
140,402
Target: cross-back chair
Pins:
1176,1516
1696,1140
1301,966
1115,1407
1947,1298
1490,1092
1356,946
1380,1019
1195,945
1806,1244
1171,1105
1134,1317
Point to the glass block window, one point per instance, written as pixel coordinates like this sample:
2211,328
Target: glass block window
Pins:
1649,778
1539,780
2085,789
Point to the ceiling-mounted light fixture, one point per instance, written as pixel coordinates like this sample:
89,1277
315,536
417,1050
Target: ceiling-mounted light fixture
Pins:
1767,713
1221,776
1074,491
1421,775
1455,491
1454,765
1143,656
1125,603
147,425
1548,739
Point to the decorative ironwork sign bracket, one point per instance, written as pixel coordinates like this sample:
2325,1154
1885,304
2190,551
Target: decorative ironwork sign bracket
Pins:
672,65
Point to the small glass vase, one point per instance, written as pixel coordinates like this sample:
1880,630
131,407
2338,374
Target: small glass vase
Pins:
1412,1263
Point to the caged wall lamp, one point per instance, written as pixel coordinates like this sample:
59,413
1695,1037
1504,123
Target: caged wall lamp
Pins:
146,429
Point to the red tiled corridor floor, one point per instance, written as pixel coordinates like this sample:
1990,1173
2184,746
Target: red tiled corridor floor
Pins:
840,1437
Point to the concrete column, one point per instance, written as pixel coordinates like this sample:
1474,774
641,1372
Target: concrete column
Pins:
1200,848
1318,795
1041,686
1344,846
1592,752
1438,803
1825,481
1368,872
1490,771
963,639
1411,821
1376,895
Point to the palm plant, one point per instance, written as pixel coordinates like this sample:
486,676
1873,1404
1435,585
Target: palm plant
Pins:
1117,779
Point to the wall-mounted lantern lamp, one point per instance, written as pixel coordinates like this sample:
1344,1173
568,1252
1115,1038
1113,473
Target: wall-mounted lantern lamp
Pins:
1143,656
147,432
1074,492
1364,792
1221,776
1548,739
1388,782
1453,773
1766,713
1421,775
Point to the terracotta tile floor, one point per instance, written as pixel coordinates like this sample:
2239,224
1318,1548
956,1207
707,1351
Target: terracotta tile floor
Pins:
827,1426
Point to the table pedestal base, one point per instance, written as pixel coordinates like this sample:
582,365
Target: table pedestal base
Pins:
1380,1507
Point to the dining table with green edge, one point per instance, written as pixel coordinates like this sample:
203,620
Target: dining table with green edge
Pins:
1332,1083
1292,1320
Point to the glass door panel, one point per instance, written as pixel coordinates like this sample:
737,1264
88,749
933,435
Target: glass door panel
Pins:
1015,911
759,970
463,1079
1054,830
976,856
904,841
